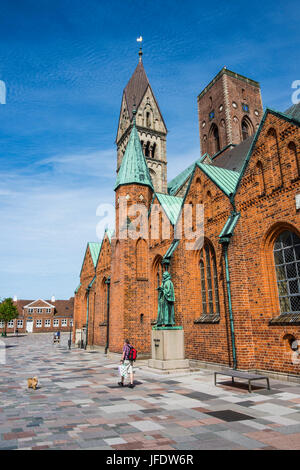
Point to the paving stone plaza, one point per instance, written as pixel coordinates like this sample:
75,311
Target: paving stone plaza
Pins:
78,405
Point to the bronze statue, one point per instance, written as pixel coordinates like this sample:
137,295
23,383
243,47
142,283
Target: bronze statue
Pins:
166,299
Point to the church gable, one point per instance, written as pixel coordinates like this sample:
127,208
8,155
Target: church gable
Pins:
148,113
203,189
88,265
273,160
104,259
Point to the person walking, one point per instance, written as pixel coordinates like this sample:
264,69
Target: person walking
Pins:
126,367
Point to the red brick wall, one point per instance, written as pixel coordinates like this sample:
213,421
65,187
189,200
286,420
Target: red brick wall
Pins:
264,215
220,98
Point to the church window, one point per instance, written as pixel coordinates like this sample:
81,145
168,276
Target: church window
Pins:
148,119
211,115
209,281
153,150
215,139
247,128
245,108
147,149
287,266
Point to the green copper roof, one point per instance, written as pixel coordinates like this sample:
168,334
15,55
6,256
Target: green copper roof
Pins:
230,224
175,184
226,180
134,168
171,205
94,250
294,112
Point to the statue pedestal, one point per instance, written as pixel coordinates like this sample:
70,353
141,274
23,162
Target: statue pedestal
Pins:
168,349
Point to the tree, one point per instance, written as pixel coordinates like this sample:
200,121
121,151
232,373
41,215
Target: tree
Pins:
8,311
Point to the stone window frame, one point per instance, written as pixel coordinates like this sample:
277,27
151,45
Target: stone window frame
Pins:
268,265
285,258
208,284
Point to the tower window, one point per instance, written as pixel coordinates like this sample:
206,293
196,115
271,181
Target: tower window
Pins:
148,119
247,128
147,149
215,138
153,150
245,108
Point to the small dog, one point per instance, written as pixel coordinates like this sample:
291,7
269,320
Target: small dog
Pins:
32,382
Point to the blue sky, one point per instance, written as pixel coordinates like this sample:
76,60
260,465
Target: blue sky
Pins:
65,64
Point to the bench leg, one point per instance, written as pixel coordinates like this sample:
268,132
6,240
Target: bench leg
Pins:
268,383
232,380
249,386
215,379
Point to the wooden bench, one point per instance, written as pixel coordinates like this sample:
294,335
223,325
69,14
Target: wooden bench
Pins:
242,375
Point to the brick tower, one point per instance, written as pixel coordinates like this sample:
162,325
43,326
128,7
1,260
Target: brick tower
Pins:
149,123
130,310
229,109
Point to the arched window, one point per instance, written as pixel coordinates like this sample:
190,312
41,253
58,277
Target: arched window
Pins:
247,128
141,259
214,140
153,150
148,119
209,281
287,266
147,149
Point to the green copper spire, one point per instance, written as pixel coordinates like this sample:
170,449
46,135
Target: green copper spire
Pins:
134,168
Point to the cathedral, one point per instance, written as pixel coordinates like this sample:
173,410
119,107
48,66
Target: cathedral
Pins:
237,295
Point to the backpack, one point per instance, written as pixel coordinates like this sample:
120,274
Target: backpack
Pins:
132,354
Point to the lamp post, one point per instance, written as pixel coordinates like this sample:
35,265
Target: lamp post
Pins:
70,338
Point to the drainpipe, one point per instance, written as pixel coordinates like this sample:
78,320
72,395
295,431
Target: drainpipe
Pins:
87,316
225,241
107,309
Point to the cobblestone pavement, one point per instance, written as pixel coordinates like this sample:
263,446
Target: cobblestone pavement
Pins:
78,405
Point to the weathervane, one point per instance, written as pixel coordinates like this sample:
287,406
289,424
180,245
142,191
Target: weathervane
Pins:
140,39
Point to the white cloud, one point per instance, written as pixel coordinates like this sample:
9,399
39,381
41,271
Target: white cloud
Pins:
47,220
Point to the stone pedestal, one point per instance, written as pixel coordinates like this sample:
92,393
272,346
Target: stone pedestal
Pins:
168,349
